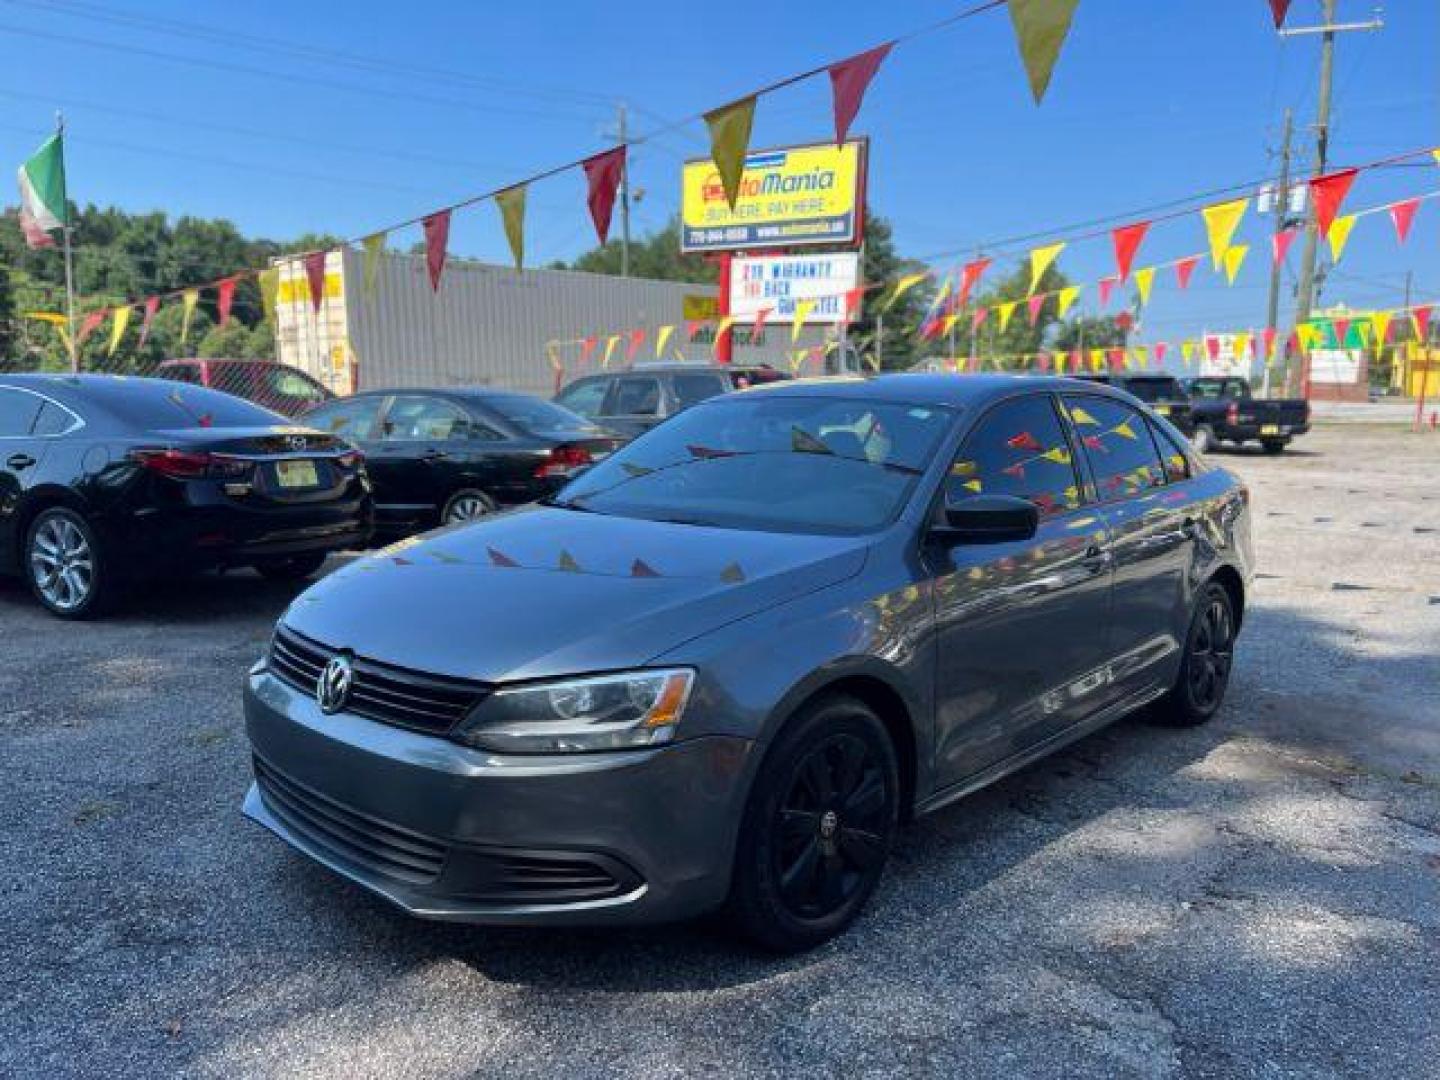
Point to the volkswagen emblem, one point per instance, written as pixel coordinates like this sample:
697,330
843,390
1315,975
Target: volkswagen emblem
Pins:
332,689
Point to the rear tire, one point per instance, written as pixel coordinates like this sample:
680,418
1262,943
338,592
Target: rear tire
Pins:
1204,440
66,568
1273,446
1199,689
292,568
817,829
467,504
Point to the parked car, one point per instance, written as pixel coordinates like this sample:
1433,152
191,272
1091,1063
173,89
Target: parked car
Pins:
278,387
107,481
718,669
633,401
437,457
1165,394
1226,411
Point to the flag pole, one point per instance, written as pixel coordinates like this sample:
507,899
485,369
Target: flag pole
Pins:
69,261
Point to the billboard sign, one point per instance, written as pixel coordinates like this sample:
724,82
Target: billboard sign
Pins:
778,282
789,197
1335,367
1227,359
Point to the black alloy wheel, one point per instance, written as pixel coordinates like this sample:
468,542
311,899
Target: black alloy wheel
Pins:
1206,664
818,827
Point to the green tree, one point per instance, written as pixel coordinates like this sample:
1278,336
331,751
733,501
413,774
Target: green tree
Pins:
657,257
1089,332
230,341
881,268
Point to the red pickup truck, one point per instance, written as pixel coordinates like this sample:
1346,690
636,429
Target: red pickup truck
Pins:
278,387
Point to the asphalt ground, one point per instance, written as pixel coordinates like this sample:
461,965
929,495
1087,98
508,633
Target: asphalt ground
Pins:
1258,897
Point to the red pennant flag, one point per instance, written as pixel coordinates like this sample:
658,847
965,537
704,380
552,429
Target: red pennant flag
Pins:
1280,245
315,276
640,568
849,80
637,338
853,300
1329,192
1421,315
1023,441
1342,331
1107,286
1116,358
152,305
1127,242
1292,343
692,328
1212,346
1044,362
437,236
587,348
1184,269
978,318
1075,360
1402,214
1279,8
89,324
1161,348
602,174
226,299
760,317
1269,338
499,558
1125,321
970,277
1035,303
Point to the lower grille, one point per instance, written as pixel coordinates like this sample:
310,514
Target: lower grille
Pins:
544,879
396,853
394,695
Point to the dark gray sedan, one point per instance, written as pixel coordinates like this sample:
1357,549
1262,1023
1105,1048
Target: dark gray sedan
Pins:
722,666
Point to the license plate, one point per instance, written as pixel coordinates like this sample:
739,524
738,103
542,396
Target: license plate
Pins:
1269,429
1163,410
296,474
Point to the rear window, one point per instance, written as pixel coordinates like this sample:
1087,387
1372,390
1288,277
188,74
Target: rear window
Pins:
160,404
536,416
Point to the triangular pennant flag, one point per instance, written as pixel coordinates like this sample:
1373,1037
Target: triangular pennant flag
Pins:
1341,329
610,343
1420,316
970,276
1234,259
1221,221
1280,245
373,246
603,174
1066,299
315,277
637,338
948,324
1212,346
1269,338
759,324
1144,279
729,140
1339,235
499,558
1040,261
721,329
1187,352
567,562
511,204
119,321
225,299
640,568
188,299
152,305
1329,192
1125,321
1278,8
269,282
662,338
437,239
802,312
1040,29
1380,326
1402,214
1107,286
1161,348
848,81
1035,304
977,318
854,298
587,348
1004,311
1097,359
1127,241
1185,269
904,285
1242,343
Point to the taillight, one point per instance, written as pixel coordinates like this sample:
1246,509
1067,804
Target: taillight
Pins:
1232,412
562,461
189,464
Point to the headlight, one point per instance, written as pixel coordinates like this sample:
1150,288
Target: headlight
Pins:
607,712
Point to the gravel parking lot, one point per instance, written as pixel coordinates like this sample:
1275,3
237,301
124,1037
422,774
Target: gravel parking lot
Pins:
1257,897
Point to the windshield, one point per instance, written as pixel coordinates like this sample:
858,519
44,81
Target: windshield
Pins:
537,417
1156,389
778,464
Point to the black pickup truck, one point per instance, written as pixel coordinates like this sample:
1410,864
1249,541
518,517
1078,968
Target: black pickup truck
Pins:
1163,393
1224,411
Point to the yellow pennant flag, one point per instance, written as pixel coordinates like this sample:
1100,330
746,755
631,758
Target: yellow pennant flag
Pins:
1097,359
904,285
269,281
1067,298
662,338
1234,258
610,343
721,328
1059,455
948,324
729,140
511,202
1221,221
802,312
374,246
1380,324
1082,418
1339,235
1124,430
120,320
1041,260
1144,280
1142,355
1187,352
1436,155
1242,344
188,300
1040,29
1004,311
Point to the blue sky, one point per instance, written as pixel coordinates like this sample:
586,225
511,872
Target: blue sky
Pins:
1153,101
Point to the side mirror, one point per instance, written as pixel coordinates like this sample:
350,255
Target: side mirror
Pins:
989,519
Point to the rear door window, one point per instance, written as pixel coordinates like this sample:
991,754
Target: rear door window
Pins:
1117,442
17,412
412,418
634,396
1018,448
53,420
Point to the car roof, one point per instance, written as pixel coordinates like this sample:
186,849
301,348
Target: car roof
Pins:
928,389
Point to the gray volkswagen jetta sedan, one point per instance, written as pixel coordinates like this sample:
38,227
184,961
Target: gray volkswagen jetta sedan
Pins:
721,667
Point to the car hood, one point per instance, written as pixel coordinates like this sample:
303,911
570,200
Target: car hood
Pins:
543,591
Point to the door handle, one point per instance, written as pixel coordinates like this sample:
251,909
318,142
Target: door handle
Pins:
20,461
1096,559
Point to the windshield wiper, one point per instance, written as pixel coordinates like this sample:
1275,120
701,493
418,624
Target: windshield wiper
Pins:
565,504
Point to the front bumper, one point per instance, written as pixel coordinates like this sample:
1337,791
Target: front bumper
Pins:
450,833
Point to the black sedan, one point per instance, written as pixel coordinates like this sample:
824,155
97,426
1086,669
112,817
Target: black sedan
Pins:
106,481
438,457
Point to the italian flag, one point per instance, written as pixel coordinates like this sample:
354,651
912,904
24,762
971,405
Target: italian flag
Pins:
42,193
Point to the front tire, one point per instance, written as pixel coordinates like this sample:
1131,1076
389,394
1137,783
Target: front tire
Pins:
64,565
817,829
292,568
1199,689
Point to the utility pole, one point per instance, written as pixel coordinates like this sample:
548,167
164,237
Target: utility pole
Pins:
1282,222
624,194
